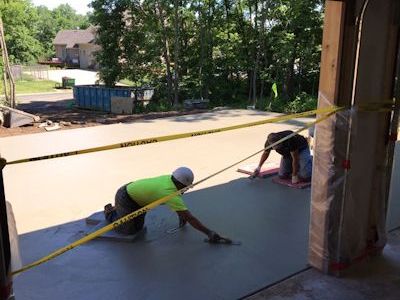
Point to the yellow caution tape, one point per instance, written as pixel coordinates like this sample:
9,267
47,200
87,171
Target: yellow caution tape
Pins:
176,136
160,201
306,126
97,233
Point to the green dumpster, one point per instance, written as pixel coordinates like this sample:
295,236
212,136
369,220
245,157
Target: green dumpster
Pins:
68,82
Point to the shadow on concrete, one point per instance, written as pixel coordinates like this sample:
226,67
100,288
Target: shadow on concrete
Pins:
270,221
377,279
64,110
40,106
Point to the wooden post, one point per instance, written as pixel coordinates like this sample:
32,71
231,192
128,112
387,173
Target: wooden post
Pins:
352,153
9,83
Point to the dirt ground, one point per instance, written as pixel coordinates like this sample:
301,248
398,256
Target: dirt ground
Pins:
69,117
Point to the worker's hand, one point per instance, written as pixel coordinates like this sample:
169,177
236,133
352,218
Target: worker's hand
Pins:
295,179
214,237
256,172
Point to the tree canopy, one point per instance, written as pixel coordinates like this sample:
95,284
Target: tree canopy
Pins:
223,50
250,52
30,30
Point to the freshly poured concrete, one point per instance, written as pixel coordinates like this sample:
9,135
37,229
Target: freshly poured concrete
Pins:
56,191
97,221
180,265
377,279
51,199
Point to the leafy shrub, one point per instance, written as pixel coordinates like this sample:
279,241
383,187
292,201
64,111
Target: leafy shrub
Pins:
153,106
302,102
138,108
277,105
156,106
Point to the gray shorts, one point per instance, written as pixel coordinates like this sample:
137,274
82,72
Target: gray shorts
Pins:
124,205
305,165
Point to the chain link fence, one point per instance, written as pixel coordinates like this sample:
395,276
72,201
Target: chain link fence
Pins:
36,71
16,71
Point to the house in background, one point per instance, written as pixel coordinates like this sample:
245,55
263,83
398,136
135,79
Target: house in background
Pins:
76,48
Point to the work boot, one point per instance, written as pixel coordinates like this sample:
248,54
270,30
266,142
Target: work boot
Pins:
109,212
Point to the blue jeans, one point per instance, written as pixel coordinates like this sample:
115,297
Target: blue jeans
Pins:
305,165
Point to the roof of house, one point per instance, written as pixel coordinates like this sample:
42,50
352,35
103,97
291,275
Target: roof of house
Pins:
72,37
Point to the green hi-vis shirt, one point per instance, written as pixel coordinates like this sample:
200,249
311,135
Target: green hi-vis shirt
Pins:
146,191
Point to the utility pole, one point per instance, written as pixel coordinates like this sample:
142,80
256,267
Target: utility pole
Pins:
8,79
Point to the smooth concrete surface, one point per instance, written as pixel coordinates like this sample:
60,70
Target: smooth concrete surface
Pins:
273,232
97,221
52,198
80,76
268,169
377,279
288,183
56,191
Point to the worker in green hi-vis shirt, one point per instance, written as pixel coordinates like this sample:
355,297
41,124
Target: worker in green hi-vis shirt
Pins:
139,193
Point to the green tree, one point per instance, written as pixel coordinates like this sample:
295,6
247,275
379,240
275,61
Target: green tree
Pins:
109,17
66,17
226,50
295,45
46,30
19,18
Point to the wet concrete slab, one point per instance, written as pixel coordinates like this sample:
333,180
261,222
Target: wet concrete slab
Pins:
17,147
52,198
378,279
268,169
61,190
97,221
273,232
288,183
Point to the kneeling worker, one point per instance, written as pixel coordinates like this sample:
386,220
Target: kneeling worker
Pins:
137,194
296,161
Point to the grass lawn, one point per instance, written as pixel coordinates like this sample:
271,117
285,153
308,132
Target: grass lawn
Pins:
34,86
127,82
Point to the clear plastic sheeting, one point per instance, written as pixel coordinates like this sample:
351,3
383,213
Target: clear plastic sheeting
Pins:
16,262
349,189
393,220
353,154
327,178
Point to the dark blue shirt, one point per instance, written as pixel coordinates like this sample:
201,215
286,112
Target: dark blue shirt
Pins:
296,142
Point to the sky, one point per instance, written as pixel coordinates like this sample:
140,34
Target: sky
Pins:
81,6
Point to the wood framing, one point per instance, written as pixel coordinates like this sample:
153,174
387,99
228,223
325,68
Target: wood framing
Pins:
352,157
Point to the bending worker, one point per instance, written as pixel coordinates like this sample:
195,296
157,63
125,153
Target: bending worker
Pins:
296,161
137,194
